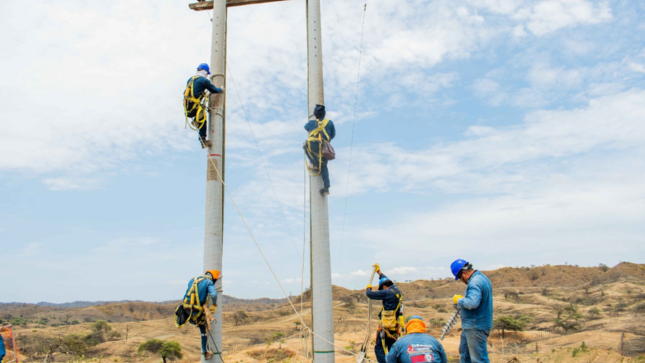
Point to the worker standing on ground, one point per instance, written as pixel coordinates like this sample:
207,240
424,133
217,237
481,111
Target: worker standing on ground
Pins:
476,311
193,309
194,95
321,132
391,316
416,346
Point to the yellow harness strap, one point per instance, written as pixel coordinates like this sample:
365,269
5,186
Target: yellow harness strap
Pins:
189,96
194,304
316,136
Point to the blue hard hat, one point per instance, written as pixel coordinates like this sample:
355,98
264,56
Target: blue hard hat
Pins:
205,67
456,266
382,281
415,317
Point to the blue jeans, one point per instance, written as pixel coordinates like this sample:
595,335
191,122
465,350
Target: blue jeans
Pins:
202,330
472,347
324,172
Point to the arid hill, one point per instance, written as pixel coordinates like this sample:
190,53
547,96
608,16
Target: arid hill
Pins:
563,306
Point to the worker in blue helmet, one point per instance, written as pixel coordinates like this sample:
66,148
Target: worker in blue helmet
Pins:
195,106
391,316
476,312
321,132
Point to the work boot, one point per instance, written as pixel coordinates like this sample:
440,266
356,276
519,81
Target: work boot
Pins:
205,143
313,167
324,191
208,355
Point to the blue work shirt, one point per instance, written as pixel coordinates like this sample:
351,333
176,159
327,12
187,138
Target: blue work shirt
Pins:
204,288
477,304
3,352
416,348
390,301
202,83
331,130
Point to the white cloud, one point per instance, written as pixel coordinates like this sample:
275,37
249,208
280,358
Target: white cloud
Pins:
292,280
547,16
404,270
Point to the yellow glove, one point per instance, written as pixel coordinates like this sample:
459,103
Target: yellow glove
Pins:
456,298
368,287
212,308
377,267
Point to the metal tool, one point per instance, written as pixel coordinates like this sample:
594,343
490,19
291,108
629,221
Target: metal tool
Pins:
452,320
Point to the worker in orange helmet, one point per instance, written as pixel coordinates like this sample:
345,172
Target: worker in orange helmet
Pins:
193,309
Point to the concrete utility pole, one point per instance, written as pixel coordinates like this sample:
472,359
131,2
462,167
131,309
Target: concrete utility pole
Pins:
214,226
323,323
323,317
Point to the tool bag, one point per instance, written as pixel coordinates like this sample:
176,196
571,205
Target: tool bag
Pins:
328,151
389,320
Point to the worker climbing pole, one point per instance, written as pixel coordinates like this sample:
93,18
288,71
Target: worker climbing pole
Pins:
391,324
196,101
197,309
317,147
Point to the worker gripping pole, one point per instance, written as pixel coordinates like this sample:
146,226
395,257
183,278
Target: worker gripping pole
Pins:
323,320
214,230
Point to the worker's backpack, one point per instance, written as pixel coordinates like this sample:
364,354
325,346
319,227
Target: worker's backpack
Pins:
328,151
191,310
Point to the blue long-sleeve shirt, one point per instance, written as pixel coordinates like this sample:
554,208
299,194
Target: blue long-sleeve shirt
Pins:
477,304
416,348
205,288
331,130
201,84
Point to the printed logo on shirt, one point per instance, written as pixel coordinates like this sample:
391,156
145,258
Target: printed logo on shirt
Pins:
422,358
410,349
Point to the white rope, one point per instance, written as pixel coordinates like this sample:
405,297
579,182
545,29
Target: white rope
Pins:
351,145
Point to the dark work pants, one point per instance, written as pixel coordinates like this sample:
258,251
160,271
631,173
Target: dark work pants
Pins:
324,172
202,330
202,131
378,347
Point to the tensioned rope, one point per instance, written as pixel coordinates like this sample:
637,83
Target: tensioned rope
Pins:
257,245
262,158
351,145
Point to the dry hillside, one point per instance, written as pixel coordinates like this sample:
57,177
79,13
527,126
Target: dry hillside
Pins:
602,307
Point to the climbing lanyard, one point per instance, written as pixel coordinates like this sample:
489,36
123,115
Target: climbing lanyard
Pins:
191,103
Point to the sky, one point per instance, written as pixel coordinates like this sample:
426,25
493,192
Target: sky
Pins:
504,132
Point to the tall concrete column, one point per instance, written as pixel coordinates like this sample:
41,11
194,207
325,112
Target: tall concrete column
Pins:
214,230
323,319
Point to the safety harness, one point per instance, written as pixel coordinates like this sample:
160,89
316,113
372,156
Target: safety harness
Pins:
390,325
316,136
194,107
192,306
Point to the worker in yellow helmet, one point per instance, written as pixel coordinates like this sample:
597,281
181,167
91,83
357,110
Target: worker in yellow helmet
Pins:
192,309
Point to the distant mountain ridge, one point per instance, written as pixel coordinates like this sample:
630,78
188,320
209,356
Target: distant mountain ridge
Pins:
226,299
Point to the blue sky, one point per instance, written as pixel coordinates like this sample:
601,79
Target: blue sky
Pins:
508,133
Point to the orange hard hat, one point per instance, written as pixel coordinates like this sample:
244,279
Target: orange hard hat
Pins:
214,273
